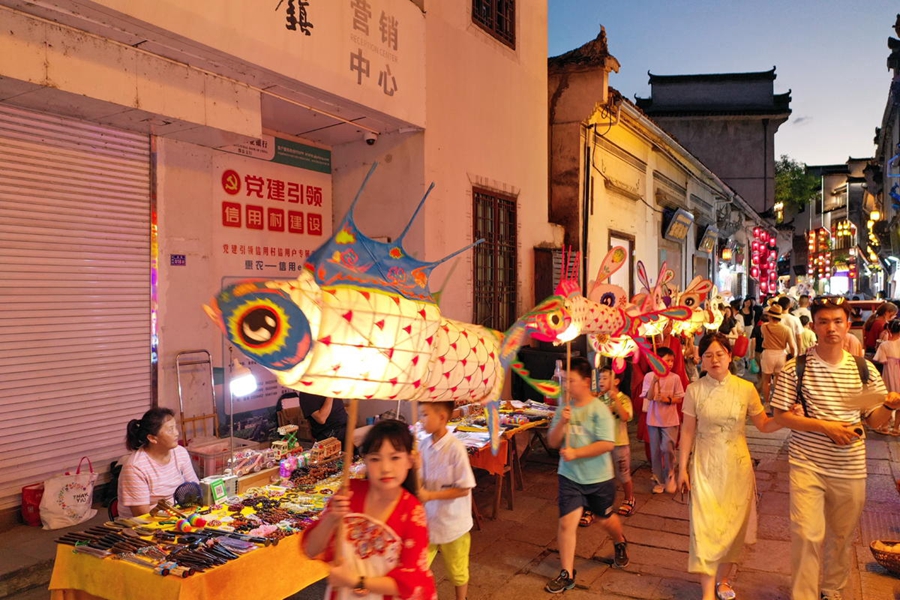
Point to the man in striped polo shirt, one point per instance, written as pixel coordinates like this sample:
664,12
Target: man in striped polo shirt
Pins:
827,452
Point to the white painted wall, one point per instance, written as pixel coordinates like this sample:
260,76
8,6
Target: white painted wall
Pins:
613,211
187,214
90,77
244,31
486,108
393,191
643,220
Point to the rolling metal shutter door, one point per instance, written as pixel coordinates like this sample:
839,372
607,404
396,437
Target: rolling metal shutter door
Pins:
74,294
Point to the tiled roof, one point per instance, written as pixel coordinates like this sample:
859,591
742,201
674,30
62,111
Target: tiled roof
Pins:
752,76
592,55
780,105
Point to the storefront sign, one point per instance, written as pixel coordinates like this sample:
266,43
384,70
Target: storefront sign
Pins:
271,215
678,227
708,241
285,152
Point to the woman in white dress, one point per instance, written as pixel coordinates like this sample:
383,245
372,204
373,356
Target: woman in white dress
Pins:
719,475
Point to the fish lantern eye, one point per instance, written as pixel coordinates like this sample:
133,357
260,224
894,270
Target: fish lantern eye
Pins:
608,299
266,325
689,302
259,326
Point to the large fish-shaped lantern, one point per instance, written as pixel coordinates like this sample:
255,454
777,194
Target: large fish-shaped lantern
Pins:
360,322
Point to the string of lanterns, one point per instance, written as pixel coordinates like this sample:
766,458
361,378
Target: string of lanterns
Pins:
819,245
764,259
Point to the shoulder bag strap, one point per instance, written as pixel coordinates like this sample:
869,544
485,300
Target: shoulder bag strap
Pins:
863,367
800,364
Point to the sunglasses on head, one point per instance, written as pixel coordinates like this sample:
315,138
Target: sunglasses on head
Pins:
829,301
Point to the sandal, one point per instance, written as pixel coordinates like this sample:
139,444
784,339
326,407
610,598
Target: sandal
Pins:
586,519
627,508
725,594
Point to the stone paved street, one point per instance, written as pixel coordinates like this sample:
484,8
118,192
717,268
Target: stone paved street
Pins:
514,555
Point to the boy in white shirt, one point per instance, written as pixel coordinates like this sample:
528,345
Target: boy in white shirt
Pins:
446,491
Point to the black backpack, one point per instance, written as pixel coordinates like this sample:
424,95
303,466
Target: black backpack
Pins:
861,365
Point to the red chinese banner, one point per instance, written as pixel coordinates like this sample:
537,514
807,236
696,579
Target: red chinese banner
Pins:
272,215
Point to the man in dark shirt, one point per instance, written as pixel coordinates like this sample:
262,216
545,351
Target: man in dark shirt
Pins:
327,416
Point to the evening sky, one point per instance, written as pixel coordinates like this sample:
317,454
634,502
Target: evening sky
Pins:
831,54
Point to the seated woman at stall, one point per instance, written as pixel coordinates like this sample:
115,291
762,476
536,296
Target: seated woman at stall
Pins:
156,466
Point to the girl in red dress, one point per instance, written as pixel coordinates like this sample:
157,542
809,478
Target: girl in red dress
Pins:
385,539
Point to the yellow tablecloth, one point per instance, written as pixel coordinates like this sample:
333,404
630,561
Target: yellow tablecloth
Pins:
271,573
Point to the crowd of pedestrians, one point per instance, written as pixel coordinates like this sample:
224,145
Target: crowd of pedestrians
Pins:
814,381
693,425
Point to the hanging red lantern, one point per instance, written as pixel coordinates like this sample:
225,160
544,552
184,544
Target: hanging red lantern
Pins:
773,242
764,287
755,246
773,255
754,272
773,276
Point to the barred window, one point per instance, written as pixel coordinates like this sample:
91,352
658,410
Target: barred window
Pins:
497,17
496,274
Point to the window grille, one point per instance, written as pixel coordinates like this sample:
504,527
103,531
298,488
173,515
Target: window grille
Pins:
497,17
496,274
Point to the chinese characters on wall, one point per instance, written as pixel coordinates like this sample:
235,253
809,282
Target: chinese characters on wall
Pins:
375,33
251,188
296,17
272,215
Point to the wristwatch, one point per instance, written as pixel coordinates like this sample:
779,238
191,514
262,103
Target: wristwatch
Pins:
360,588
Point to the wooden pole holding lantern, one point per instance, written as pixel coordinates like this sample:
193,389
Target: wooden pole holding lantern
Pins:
352,415
415,421
566,395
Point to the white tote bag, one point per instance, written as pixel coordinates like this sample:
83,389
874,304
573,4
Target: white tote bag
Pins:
67,498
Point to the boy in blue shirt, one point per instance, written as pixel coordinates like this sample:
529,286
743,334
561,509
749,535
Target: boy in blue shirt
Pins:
586,478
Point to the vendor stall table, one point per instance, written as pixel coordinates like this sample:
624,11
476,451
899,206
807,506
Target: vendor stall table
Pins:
505,466
269,573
